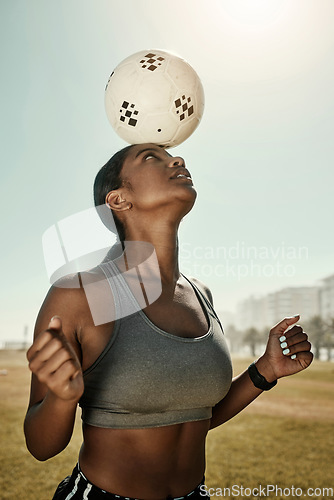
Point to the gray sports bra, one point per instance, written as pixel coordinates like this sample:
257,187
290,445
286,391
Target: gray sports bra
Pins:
147,377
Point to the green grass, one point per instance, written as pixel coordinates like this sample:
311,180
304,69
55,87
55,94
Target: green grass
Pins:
285,437
22,477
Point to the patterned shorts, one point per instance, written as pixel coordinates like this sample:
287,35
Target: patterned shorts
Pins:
77,487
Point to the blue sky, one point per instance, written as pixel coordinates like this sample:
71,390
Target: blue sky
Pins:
261,159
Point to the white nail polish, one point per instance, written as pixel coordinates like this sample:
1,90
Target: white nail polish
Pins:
286,351
284,344
281,339
294,356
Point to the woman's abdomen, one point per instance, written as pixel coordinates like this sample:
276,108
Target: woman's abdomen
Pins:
145,463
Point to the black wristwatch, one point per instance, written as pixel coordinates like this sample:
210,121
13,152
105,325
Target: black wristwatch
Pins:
258,380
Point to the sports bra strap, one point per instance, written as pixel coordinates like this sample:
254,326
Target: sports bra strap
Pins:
206,300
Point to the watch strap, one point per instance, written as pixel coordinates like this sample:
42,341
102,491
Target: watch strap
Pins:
259,380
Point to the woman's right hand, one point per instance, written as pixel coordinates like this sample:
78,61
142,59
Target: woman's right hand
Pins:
55,364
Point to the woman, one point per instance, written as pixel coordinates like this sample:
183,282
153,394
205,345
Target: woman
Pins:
156,380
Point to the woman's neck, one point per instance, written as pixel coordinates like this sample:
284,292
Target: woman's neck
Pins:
160,238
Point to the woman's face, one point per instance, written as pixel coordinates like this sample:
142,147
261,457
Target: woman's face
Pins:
156,178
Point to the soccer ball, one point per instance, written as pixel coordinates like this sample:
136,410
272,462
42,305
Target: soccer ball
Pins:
154,96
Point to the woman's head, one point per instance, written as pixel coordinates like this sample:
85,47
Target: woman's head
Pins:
146,178
108,179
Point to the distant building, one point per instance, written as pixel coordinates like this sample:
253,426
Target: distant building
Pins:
326,297
251,312
266,311
294,300
13,344
226,317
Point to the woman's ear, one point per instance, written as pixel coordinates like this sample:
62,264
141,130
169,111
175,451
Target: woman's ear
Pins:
115,201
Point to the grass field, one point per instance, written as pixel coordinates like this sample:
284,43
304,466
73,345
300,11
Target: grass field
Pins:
284,438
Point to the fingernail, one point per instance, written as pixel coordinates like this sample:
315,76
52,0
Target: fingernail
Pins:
281,339
284,344
286,351
296,315
294,356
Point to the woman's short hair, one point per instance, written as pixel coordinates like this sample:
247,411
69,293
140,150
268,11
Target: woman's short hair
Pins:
107,179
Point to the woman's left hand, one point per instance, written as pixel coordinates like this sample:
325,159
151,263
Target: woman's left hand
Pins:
287,351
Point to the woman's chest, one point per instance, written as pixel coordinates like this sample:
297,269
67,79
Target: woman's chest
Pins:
182,317
145,369
180,314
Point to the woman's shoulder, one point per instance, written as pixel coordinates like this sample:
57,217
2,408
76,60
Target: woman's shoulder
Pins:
74,284
68,294
67,287
202,287
64,297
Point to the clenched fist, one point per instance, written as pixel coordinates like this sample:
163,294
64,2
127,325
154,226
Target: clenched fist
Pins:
288,350
55,364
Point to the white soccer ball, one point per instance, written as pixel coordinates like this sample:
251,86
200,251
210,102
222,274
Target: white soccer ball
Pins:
154,96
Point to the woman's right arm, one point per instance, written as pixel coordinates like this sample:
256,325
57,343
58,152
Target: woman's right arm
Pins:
57,382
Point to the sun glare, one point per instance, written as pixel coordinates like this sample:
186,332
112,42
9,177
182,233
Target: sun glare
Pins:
256,12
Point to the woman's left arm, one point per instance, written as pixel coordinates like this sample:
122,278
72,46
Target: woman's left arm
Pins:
272,365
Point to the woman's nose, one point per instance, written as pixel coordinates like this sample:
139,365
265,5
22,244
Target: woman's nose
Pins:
176,161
